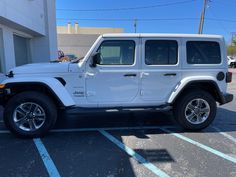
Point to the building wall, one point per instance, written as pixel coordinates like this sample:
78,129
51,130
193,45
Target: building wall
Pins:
77,40
76,29
27,13
76,44
32,20
44,48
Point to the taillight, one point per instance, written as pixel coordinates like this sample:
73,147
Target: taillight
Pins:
228,77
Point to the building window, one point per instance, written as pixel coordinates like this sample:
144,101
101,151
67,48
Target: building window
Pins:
117,52
22,51
161,52
203,52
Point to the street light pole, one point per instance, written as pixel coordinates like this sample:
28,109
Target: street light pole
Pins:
201,24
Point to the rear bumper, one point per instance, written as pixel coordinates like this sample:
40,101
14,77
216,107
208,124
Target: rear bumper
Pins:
2,96
226,98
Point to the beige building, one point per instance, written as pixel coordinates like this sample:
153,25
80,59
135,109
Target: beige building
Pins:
76,40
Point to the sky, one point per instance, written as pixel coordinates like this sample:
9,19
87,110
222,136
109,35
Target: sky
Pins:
167,16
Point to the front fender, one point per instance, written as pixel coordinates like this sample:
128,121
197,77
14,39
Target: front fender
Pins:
184,82
53,84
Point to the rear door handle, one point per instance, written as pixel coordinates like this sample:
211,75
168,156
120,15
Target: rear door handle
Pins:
170,74
130,75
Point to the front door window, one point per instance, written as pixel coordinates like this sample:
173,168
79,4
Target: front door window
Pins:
117,52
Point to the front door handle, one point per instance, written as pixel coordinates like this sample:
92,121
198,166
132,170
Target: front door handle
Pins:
170,74
130,75
87,75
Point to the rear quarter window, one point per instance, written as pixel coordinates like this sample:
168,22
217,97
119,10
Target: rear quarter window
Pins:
203,52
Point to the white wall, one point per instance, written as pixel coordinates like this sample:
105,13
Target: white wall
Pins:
8,49
33,19
28,13
44,49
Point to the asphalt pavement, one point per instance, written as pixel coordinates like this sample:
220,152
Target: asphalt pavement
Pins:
130,144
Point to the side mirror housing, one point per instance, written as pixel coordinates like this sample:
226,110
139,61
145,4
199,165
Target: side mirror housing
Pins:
96,59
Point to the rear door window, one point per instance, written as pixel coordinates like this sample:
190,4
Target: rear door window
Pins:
203,52
161,52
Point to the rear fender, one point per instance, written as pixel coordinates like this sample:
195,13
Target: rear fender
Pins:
183,83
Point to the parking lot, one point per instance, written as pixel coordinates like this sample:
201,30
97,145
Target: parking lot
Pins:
124,144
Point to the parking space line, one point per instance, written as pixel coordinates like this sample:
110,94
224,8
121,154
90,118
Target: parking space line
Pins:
135,155
226,135
209,149
48,163
96,129
4,131
110,128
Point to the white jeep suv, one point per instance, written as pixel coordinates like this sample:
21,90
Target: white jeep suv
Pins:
185,73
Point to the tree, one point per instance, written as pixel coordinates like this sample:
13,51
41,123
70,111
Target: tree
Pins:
234,42
232,50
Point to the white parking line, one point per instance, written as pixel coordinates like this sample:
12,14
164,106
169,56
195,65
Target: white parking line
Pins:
209,149
48,163
4,131
110,128
135,155
96,129
226,135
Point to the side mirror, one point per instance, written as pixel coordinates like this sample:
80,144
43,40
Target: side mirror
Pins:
96,59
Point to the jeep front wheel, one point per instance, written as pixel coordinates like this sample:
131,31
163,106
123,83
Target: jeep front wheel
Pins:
30,114
195,110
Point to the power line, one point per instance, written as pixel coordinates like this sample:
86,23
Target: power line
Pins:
123,19
144,19
219,23
129,8
224,2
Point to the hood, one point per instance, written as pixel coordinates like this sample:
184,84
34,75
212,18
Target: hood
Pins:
41,68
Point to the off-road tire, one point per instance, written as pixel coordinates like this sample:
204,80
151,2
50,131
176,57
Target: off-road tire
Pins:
180,106
35,97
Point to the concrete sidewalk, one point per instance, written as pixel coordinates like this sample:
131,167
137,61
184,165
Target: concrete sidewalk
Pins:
233,70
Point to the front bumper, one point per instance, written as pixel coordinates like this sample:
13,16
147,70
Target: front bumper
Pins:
226,98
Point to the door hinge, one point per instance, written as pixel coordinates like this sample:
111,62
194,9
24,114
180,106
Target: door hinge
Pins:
141,92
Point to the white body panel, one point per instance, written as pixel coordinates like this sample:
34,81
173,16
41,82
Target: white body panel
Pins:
179,86
155,84
54,84
106,86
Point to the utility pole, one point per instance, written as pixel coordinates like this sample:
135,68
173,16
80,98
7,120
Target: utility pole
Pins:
201,24
233,38
135,25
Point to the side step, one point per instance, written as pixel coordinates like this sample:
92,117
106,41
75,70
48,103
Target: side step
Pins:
119,109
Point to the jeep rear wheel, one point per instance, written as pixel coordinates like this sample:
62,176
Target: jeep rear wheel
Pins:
30,114
195,110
